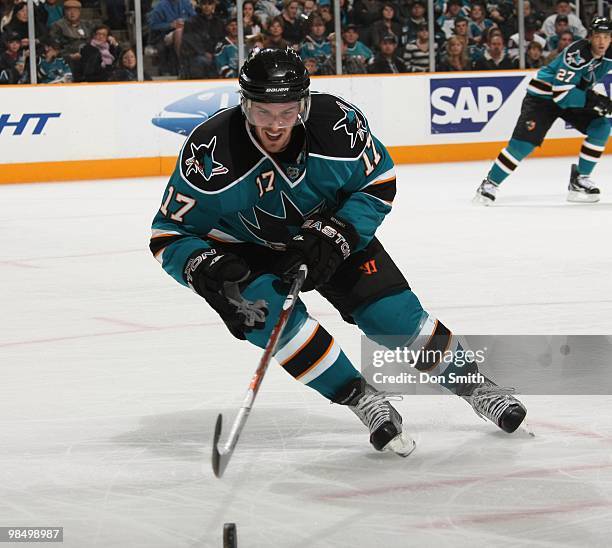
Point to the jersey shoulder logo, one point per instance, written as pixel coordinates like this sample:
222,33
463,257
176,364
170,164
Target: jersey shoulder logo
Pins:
203,161
352,124
575,56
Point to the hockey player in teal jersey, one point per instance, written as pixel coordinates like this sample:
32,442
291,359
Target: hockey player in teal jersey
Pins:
563,89
289,177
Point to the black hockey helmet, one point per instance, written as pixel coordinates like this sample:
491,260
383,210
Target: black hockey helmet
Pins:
274,76
600,24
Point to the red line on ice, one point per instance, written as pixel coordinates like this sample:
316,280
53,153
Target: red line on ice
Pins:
510,515
426,485
108,334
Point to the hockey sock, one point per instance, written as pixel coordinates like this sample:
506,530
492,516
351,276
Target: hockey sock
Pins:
306,350
594,145
312,356
508,160
398,321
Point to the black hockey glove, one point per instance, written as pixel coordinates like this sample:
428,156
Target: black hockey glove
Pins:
216,276
323,243
601,104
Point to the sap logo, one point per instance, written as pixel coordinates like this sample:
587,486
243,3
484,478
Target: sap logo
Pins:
184,115
19,126
465,105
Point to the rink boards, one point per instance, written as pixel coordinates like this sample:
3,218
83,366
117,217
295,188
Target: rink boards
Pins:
84,131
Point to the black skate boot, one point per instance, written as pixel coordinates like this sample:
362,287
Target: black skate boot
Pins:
485,193
497,404
381,418
581,188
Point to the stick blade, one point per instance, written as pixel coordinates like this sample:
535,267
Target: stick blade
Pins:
218,468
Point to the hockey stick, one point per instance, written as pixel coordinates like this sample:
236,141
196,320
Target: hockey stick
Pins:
221,456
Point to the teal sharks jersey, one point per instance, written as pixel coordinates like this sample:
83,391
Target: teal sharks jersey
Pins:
566,80
227,188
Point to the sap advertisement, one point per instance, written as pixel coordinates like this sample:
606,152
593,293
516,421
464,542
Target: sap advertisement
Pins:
475,103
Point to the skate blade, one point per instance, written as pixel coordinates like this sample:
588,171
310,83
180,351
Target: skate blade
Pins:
525,429
582,198
401,445
479,199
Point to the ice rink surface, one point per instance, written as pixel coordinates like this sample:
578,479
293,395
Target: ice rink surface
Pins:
113,374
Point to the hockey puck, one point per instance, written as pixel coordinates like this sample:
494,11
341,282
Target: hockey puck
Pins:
230,536
565,349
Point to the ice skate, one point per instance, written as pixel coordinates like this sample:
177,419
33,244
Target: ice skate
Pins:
383,421
497,404
485,193
581,188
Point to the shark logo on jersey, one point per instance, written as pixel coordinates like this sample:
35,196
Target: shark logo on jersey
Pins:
574,59
352,124
202,161
273,229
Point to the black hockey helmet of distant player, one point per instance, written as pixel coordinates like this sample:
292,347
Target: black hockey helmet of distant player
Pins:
600,24
275,76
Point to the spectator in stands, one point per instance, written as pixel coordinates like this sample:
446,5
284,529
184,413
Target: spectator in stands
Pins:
312,66
166,26
250,21
565,39
386,61
127,68
274,35
72,34
495,56
293,27
447,20
456,57
52,68
478,22
201,35
315,44
360,53
561,26
99,55
461,30
531,26
308,7
503,15
534,57
366,12
11,55
385,26
19,24
325,12
255,41
351,64
416,52
226,55
52,10
563,7
411,24
266,10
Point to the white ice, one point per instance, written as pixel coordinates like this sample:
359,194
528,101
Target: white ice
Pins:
112,376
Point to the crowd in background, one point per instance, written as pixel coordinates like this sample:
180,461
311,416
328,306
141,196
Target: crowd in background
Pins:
189,39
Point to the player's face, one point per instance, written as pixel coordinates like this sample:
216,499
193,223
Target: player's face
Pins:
273,124
600,42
